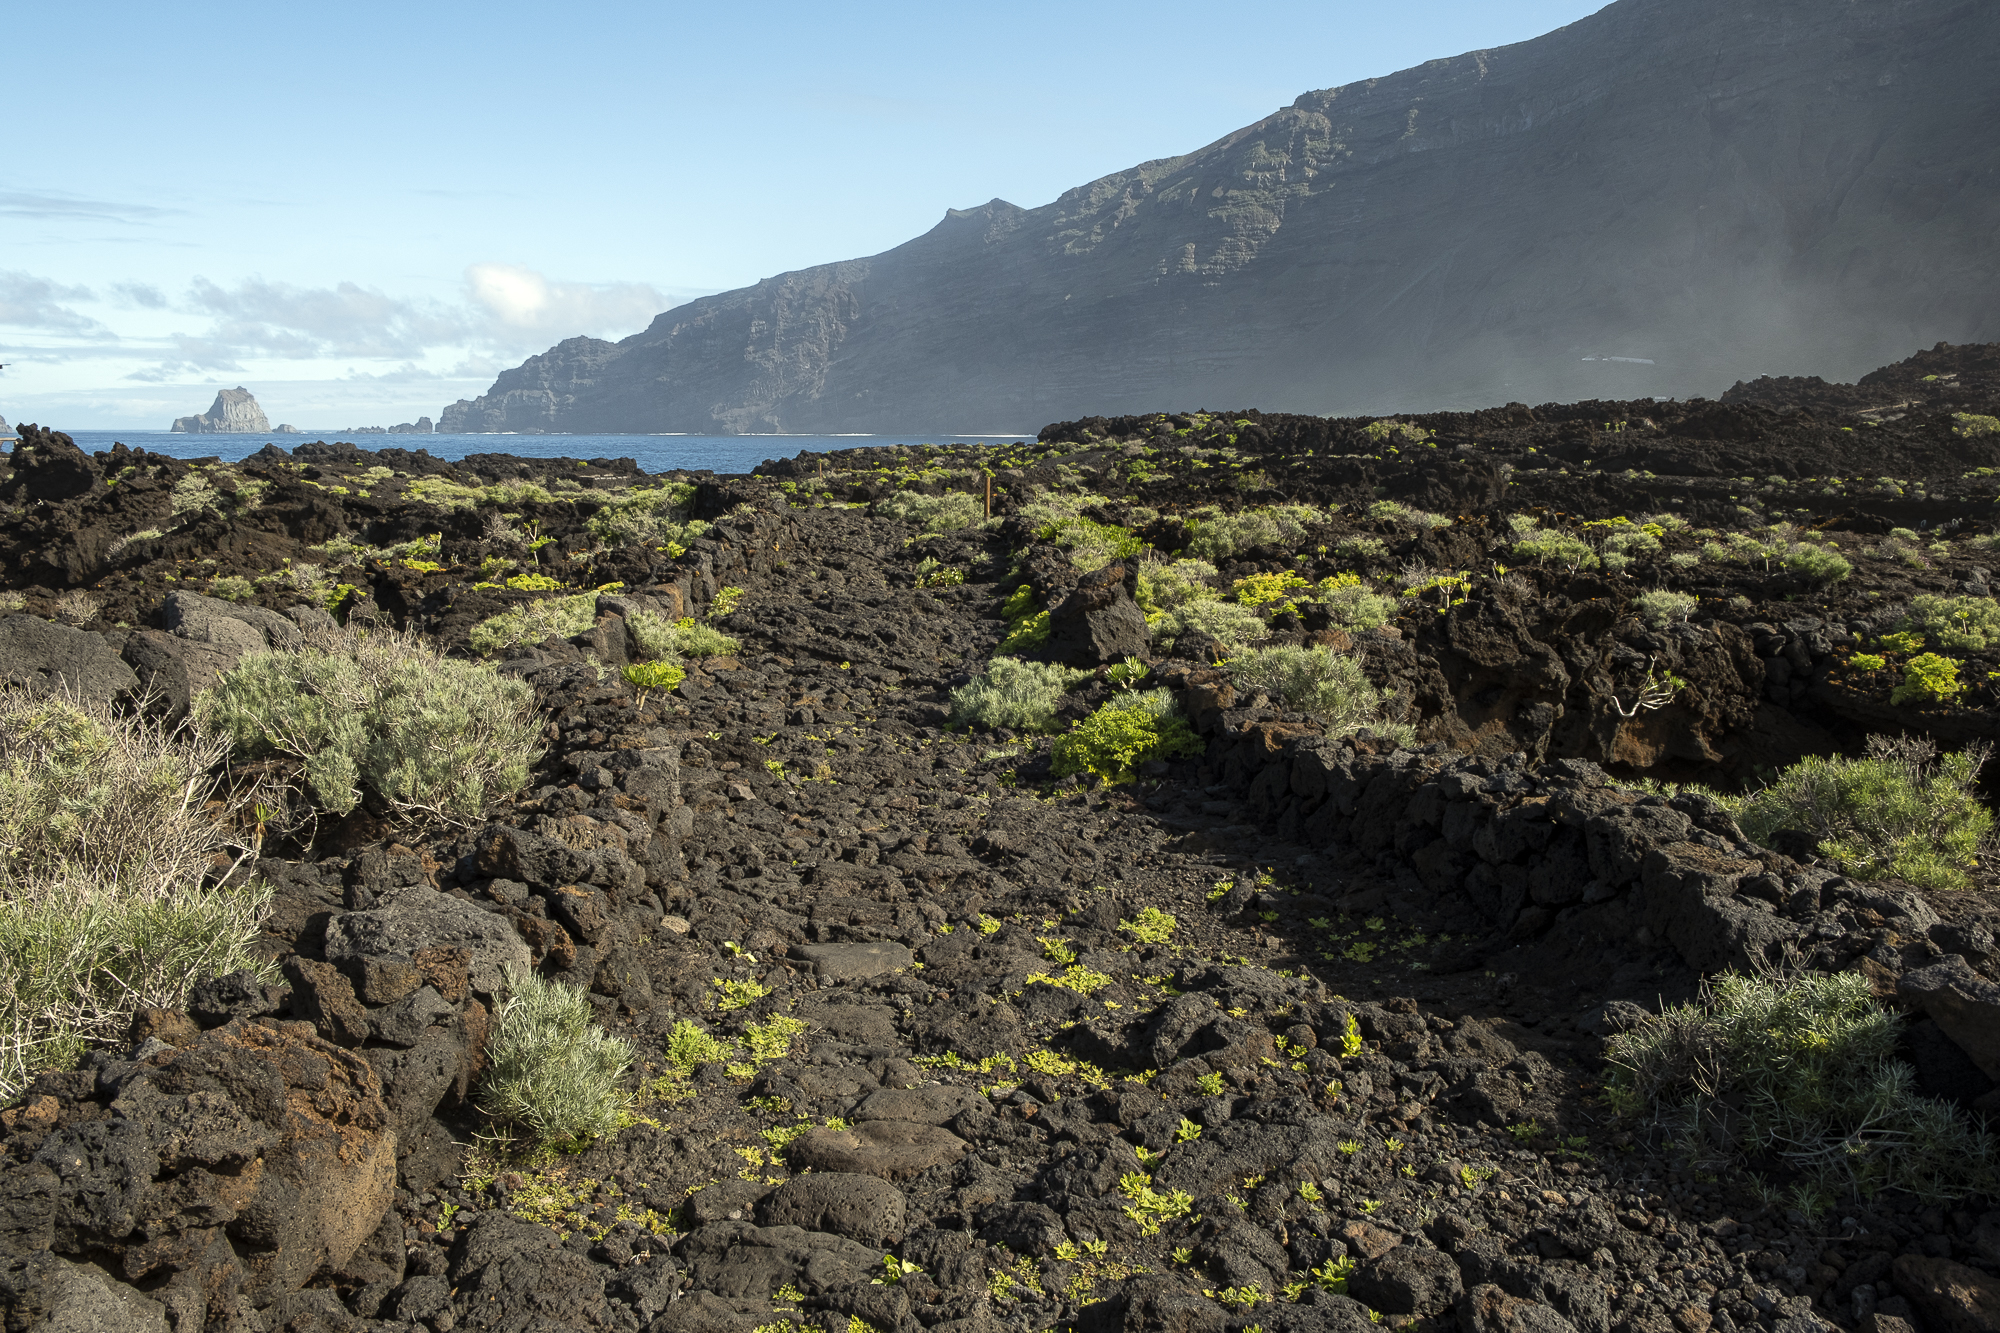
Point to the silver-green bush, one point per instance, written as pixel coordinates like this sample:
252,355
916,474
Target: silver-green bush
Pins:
552,1074
933,513
1011,693
1229,623
1329,686
1804,1071
1661,608
672,640
1165,586
1214,535
104,845
431,737
1966,624
1900,811
1353,605
532,622
649,516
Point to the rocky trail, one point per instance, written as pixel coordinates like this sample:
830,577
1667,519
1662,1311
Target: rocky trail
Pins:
1299,1032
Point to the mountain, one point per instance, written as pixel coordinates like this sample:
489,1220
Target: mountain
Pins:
234,412
1645,202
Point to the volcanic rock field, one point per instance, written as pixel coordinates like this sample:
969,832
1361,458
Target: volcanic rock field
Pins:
917,1046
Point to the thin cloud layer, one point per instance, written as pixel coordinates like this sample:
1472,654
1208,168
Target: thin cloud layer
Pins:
29,302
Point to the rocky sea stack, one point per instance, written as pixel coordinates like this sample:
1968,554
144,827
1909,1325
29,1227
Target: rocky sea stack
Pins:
1199,872
234,412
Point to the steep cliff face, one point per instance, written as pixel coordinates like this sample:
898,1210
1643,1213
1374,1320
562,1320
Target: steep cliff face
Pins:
1644,202
234,412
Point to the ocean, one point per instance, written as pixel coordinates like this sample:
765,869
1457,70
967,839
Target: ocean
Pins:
654,453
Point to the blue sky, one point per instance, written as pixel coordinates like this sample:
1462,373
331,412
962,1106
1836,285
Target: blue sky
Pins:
363,212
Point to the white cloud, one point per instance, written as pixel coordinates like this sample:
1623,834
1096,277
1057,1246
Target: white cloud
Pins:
30,302
522,301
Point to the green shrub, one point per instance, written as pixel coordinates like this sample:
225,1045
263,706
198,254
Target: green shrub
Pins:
1900,811
1150,926
428,736
1011,693
1362,550
647,676
688,1047
934,573
1268,589
1228,623
1329,686
452,495
1392,431
673,640
1817,565
532,622
232,588
1164,586
1971,425
933,513
1027,626
1353,605
1805,1072
1964,623
1662,608
1213,535
1549,546
1928,678
1128,730
552,1073
105,843
1389,511
644,516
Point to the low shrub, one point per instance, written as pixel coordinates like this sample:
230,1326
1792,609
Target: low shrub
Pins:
1362,550
1803,1071
1027,623
933,513
1971,425
1228,623
1164,586
532,622
1127,731
1550,546
105,847
1928,678
1391,431
552,1073
1662,608
672,640
1353,605
452,495
1017,695
648,676
1900,811
1403,516
1213,535
1817,565
934,573
431,738
1963,623
1329,686
646,516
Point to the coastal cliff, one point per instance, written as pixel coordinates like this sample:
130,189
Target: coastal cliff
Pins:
234,412
1690,185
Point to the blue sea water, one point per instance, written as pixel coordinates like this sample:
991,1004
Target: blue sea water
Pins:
654,453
